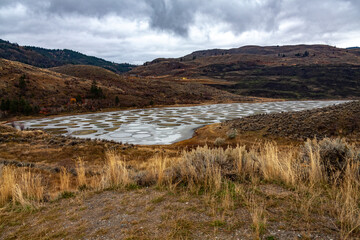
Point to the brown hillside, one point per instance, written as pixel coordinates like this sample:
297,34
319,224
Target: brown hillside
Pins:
87,71
43,87
53,90
285,128
250,56
290,72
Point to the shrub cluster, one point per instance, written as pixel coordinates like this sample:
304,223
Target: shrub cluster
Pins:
19,105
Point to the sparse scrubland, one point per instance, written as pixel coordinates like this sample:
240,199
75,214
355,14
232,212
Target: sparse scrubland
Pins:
236,180
242,182
256,192
275,176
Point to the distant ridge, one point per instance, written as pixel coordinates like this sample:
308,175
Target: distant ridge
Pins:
46,58
290,72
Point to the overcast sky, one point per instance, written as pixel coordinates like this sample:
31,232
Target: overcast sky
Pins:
140,30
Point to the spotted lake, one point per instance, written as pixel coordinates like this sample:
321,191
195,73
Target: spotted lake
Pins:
160,125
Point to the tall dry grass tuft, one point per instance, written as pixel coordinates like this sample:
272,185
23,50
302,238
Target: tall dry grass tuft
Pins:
206,168
31,186
276,166
20,186
81,174
328,159
202,168
64,180
7,184
18,196
115,172
245,164
315,171
257,212
156,171
348,200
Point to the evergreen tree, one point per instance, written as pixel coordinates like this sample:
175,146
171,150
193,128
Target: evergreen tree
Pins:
95,91
3,106
22,83
14,106
78,98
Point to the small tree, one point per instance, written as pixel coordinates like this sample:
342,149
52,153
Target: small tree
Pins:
95,91
78,98
22,84
3,106
14,106
27,109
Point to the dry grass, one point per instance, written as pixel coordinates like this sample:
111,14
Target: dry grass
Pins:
315,172
226,176
64,180
347,201
7,184
115,173
81,174
257,212
317,168
20,186
278,166
32,186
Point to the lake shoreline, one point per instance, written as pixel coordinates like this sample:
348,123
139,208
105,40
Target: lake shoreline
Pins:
104,110
160,126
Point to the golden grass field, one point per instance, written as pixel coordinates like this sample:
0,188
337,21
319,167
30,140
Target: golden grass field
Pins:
241,179
260,190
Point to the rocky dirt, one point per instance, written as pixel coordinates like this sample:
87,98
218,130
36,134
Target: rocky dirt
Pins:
149,213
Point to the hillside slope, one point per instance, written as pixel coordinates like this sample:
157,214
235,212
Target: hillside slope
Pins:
45,58
292,72
52,90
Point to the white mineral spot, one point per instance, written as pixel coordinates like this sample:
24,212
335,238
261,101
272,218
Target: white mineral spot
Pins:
161,125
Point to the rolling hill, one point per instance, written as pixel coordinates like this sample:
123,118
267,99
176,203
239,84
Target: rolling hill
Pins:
82,88
46,58
291,72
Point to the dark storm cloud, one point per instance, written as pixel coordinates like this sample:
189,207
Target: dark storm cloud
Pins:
178,15
158,28
169,15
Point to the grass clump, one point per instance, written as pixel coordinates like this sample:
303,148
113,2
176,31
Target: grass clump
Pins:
81,174
66,194
219,141
328,158
232,133
218,223
20,187
115,173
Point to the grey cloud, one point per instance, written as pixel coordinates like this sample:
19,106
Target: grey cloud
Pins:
169,15
178,15
172,15
84,25
98,8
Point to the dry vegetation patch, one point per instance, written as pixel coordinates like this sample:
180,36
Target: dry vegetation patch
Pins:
258,192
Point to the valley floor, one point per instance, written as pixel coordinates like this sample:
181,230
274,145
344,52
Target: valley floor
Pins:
255,183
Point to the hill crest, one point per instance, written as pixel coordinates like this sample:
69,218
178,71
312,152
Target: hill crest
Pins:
46,58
